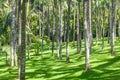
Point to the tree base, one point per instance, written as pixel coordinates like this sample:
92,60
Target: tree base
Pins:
87,69
67,59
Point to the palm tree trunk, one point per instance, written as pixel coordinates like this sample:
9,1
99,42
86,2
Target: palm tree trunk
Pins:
78,30
48,26
42,44
102,26
7,53
28,47
109,29
112,22
23,45
97,20
53,32
64,27
13,36
60,30
87,33
67,32
19,36
90,24
74,24
56,26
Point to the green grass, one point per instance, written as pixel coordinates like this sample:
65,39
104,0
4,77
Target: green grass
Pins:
103,65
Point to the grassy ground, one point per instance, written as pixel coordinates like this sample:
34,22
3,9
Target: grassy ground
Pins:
103,65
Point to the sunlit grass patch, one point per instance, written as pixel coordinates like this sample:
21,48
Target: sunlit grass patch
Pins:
48,67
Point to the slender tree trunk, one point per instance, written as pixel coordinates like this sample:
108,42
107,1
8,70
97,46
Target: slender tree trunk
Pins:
56,26
90,24
13,36
119,27
109,18
100,22
42,32
7,53
39,25
97,20
19,37
99,27
39,22
96,33
28,47
109,29
60,30
102,26
74,24
102,38
115,26
28,23
53,32
64,26
87,33
23,45
67,32
112,22
48,26
78,30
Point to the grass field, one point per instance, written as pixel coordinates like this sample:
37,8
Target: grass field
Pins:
103,65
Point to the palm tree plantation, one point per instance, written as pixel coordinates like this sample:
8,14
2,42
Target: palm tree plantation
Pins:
59,39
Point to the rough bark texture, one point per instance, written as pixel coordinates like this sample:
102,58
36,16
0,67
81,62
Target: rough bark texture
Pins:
64,27
96,34
90,23
78,30
53,32
109,29
102,19
28,45
7,60
42,44
19,36
60,30
97,21
13,36
87,33
74,24
67,32
56,26
48,26
112,22
23,45
28,24
39,22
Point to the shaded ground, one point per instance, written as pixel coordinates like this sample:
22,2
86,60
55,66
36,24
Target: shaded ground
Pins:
103,66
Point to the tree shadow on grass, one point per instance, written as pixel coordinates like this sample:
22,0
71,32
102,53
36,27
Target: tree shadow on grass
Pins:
51,69
48,68
8,73
96,75
57,73
103,71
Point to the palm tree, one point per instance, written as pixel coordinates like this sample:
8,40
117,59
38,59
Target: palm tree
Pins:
19,35
90,23
53,30
86,33
112,22
60,30
67,32
78,29
23,45
13,35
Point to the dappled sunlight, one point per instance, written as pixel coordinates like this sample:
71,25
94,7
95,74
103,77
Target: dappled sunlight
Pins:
103,66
